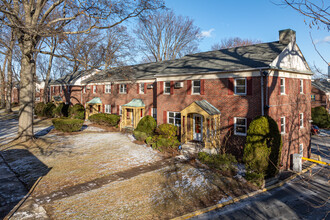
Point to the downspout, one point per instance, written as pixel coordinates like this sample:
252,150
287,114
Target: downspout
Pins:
262,92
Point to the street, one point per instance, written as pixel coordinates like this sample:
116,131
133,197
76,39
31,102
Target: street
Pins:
305,197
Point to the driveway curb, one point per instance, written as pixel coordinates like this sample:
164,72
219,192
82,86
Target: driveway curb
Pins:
237,199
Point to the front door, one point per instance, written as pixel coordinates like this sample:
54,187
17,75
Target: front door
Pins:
198,127
130,117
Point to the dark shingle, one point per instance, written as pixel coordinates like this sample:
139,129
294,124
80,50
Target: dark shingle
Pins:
206,106
322,84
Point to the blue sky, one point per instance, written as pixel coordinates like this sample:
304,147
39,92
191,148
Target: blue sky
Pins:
254,19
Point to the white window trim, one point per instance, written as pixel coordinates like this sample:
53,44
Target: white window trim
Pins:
94,89
84,89
301,85
284,125
192,87
238,133
301,120
141,85
120,110
107,107
37,99
37,89
235,92
168,118
301,146
165,88
124,87
105,89
282,93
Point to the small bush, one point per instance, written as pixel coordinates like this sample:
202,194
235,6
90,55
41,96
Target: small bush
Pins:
39,109
256,178
48,110
77,112
140,136
147,125
167,130
218,161
321,117
61,110
67,125
105,119
161,143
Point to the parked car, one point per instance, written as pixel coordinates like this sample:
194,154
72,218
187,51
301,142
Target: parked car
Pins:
315,130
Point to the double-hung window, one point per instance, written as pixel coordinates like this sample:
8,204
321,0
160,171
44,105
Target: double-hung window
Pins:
240,126
282,125
84,89
196,87
240,86
37,99
108,88
301,86
167,87
122,88
107,109
141,88
174,118
94,89
301,120
282,86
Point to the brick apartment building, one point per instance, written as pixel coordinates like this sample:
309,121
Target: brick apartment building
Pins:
204,93
321,93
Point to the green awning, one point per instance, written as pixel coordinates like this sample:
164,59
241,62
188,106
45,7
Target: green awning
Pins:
135,103
95,100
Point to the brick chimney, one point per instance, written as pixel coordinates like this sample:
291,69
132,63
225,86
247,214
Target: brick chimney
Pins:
286,36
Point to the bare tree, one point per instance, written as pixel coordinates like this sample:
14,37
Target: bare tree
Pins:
10,72
317,11
37,19
165,36
233,42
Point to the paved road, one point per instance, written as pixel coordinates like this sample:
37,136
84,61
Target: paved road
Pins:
305,197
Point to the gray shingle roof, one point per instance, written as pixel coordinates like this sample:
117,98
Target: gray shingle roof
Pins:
232,59
322,84
71,78
206,106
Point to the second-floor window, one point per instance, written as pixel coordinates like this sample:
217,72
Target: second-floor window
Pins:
84,89
301,86
108,88
240,86
282,86
174,118
122,88
167,88
196,87
282,125
94,89
141,88
240,126
301,120
107,109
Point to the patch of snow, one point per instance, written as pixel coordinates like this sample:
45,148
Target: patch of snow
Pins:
223,200
240,169
91,128
181,157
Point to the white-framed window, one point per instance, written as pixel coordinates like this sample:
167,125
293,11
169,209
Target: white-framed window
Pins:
141,88
53,88
240,86
37,89
282,125
282,86
154,113
107,109
240,126
37,99
107,88
120,110
84,90
174,118
167,87
123,88
196,87
301,148
301,86
94,88
301,120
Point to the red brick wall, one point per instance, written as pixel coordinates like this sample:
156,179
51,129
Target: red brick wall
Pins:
320,98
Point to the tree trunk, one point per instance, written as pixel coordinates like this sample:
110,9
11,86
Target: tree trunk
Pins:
50,63
3,84
25,121
10,73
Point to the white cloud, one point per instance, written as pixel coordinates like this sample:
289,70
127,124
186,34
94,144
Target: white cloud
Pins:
207,33
324,40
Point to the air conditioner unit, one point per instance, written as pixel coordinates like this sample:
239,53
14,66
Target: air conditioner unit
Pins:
150,86
178,85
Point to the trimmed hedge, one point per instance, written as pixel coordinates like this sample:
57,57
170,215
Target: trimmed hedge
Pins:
167,130
48,110
140,136
61,110
262,152
147,125
67,124
105,119
77,112
162,143
39,109
218,161
321,117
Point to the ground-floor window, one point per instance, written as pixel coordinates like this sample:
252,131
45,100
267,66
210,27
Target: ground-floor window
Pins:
107,109
282,125
240,126
120,111
37,99
174,118
301,148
